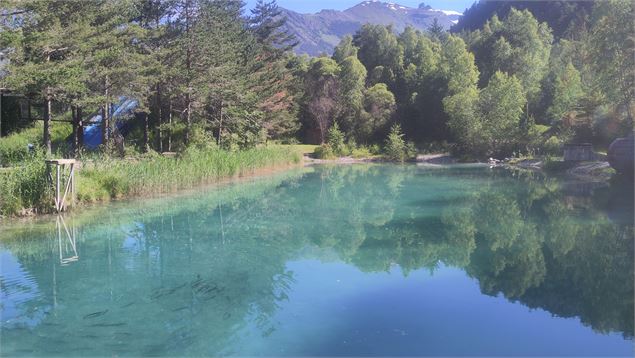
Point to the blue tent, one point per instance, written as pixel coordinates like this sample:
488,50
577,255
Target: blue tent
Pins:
120,111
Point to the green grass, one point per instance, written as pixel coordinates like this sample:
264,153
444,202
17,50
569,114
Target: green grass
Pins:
24,187
13,148
305,149
104,178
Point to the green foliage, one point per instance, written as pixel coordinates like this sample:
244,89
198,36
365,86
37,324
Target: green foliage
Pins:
361,152
519,45
324,151
14,150
611,45
336,141
488,123
26,187
378,46
380,106
552,146
396,147
321,101
458,66
352,80
344,50
567,92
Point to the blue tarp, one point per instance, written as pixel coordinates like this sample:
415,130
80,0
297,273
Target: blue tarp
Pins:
122,110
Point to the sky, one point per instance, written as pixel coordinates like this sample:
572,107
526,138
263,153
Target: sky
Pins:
312,6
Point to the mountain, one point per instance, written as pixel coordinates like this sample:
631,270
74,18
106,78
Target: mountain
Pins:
321,32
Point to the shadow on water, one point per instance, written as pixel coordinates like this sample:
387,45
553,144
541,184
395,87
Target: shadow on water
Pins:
185,275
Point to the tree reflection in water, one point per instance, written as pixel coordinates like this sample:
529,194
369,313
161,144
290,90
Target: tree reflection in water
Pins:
214,261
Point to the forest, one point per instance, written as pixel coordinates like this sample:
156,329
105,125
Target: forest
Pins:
213,72
218,86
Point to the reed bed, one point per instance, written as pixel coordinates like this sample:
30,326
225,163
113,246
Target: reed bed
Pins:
24,188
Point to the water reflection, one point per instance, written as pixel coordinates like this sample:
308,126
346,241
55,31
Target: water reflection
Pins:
186,275
66,241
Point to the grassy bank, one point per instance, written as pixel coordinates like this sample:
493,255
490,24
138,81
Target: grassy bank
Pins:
14,148
24,190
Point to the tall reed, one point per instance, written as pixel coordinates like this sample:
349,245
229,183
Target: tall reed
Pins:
104,178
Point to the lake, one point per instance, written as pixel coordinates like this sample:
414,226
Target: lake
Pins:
350,260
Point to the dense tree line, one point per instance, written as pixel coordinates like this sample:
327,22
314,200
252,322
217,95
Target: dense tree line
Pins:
205,71
197,67
508,86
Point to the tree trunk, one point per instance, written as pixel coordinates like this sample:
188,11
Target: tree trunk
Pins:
47,124
170,122
104,129
220,127
80,129
159,117
0,114
75,130
146,129
188,120
105,116
188,68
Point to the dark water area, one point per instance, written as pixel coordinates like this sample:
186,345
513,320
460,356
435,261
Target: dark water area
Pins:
355,260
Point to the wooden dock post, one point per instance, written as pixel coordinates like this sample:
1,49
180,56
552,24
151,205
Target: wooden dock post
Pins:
62,179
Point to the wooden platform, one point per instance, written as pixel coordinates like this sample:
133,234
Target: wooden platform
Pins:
64,181
61,161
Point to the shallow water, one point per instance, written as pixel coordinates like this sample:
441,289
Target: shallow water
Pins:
331,261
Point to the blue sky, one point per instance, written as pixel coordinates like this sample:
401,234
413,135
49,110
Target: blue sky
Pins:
310,6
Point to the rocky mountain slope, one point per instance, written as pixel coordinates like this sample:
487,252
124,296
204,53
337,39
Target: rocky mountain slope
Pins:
321,32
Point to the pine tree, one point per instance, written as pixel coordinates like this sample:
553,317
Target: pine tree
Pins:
272,78
44,60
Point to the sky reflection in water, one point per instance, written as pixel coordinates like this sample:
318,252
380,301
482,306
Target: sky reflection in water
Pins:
346,260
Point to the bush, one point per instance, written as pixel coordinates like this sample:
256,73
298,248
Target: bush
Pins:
375,149
361,152
336,141
396,147
553,146
324,152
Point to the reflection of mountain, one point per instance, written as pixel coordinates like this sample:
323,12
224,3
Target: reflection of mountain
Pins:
209,266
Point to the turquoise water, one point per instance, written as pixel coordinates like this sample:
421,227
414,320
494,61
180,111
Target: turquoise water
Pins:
350,260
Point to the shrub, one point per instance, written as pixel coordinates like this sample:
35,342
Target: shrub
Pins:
396,147
336,141
553,146
361,152
375,149
324,152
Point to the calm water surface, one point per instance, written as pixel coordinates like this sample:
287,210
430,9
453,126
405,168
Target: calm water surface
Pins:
331,261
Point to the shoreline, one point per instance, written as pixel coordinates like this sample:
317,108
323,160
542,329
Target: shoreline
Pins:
240,175
585,170
588,171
